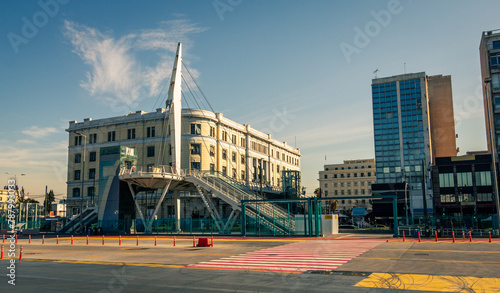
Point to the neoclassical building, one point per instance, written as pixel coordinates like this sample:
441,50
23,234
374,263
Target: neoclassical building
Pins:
209,141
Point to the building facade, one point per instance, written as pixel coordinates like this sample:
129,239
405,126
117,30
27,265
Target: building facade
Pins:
413,123
463,190
352,178
209,142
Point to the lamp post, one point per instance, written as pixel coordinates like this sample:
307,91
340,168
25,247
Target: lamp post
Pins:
406,202
83,177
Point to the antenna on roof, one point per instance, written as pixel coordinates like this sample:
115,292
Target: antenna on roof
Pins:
405,67
375,72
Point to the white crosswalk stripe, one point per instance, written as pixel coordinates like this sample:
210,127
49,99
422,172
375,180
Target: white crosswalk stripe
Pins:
295,257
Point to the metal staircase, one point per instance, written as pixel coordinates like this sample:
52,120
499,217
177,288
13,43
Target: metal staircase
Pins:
271,216
89,215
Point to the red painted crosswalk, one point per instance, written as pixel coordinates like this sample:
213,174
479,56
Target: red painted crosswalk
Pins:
295,257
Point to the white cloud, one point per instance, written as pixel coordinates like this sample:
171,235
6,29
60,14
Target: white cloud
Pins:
116,73
25,141
38,132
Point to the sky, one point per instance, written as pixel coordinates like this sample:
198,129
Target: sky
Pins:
299,70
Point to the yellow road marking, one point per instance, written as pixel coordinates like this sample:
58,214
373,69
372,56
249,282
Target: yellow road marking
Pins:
428,260
434,250
109,263
440,283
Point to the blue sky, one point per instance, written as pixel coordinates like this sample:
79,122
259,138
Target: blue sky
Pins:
276,65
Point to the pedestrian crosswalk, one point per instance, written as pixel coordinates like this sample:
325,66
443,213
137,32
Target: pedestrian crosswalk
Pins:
295,257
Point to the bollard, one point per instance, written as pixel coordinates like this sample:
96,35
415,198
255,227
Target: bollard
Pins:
453,234
43,239
119,239
489,236
174,240
29,241
194,244
16,238
87,239
436,232
57,239
21,253
463,235
403,236
1,256
419,237
470,236
212,243
155,240
71,239
137,240
102,239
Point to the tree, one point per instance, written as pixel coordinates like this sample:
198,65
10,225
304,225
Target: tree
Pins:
47,203
318,192
333,205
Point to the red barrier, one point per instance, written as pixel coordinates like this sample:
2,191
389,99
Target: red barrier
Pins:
1,257
57,239
453,234
137,240
463,235
71,239
212,242
470,236
194,242
489,236
174,240
419,237
436,232
155,240
119,239
21,253
102,239
29,241
403,236
87,239
43,239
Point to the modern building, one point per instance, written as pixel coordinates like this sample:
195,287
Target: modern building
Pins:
489,53
463,191
413,124
352,178
209,142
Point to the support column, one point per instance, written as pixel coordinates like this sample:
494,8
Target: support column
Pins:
177,201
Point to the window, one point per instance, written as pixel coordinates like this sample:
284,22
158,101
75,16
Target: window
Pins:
448,198
212,150
234,173
212,131
76,192
111,135
464,179
92,157
150,131
78,158
78,140
195,165
243,142
369,174
355,174
92,173
446,180
362,191
483,178
334,175
195,149
242,174
233,140
224,135
484,197
224,154
90,191
76,175
212,167
224,170
151,151
242,159
233,158
326,176
92,138
362,175
195,128
326,185
131,133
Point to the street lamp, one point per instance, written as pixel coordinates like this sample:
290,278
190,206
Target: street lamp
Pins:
406,202
83,177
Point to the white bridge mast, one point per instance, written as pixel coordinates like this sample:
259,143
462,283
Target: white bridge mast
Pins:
174,104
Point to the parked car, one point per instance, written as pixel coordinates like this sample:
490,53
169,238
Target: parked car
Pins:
380,227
